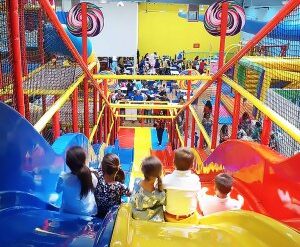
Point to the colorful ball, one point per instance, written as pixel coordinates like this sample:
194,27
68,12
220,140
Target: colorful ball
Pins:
236,18
95,20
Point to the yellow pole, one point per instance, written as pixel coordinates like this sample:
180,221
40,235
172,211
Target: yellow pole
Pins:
140,106
96,125
154,77
202,129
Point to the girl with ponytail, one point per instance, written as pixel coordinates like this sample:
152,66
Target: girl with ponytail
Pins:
148,196
110,187
78,185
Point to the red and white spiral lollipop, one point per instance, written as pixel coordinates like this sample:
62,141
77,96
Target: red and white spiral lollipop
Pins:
95,20
236,18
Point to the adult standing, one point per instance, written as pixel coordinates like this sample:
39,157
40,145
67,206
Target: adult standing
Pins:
160,128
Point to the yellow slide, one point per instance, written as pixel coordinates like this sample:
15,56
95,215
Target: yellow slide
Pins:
231,228
142,146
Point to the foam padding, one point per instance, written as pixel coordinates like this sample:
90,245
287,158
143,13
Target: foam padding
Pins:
126,155
126,137
142,146
154,140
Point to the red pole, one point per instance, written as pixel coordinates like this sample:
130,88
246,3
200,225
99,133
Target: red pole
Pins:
85,81
284,11
236,115
219,80
100,130
17,61
187,114
266,131
55,123
75,111
23,55
201,140
193,132
95,105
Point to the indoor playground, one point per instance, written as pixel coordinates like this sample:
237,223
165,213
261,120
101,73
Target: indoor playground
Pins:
217,82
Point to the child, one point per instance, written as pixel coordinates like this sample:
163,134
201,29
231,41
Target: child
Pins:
160,128
182,189
224,135
196,140
109,190
256,132
207,122
245,123
241,134
221,201
147,199
78,185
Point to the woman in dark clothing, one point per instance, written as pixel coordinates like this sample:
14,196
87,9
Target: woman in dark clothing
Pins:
160,128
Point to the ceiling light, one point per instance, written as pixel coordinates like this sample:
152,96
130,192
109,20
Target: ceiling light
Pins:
120,4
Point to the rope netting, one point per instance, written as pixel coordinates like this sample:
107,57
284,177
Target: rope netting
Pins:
49,68
6,69
271,72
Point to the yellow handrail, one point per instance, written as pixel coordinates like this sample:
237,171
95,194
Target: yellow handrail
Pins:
201,127
97,123
179,136
144,116
41,124
155,77
289,128
110,129
141,106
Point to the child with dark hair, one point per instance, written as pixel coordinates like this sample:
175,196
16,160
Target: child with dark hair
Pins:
182,189
110,188
245,123
207,108
221,201
78,185
148,197
256,132
224,135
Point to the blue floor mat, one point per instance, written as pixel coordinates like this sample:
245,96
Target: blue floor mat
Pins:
126,155
154,140
126,167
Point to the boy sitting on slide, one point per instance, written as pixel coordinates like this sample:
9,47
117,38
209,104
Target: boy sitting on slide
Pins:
221,201
182,189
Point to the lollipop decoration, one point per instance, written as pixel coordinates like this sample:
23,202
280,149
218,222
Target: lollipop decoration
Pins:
95,20
236,18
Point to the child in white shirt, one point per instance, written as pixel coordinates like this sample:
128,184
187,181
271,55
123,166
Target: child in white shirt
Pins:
182,189
221,201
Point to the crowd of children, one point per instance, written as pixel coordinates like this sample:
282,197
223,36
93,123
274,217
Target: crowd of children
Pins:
173,198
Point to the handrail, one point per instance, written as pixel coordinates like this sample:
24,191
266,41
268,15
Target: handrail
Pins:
154,77
201,127
97,123
41,124
286,9
289,128
141,106
144,116
179,135
109,133
67,41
